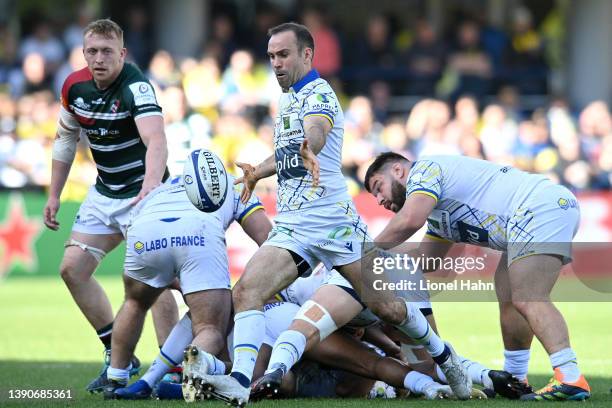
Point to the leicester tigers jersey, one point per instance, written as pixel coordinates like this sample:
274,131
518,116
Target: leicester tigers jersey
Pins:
107,118
309,96
475,199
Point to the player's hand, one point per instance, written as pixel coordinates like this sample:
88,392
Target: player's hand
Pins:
311,163
249,179
144,190
49,213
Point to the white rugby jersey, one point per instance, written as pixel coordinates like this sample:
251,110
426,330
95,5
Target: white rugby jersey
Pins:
169,202
475,199
309,96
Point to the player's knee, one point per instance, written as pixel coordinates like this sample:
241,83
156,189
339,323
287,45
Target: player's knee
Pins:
522,306
211,332
387,313
73,274
245,298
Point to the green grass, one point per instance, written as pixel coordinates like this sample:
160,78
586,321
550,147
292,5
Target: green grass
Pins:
46,343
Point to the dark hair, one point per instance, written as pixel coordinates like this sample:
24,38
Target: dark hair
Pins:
303,36
105,27
380,163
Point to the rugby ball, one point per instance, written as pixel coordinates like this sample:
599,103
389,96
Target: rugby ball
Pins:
205,180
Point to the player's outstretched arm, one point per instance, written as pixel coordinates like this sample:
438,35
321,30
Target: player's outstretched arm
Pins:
251,175
408,220
151,130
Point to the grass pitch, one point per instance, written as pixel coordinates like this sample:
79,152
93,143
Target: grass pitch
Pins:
45,343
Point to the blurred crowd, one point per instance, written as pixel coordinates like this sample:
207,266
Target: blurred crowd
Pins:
469,101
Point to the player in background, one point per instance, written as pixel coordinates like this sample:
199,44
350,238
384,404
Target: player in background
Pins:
169,238
527,217
112,105
316,222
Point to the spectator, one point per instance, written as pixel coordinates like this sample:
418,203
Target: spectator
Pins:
43,42
424,60
184,131
465,123
533,139
32,77
327,59
8,51
242,82
525,59
73,34
373,56
497,134
361,135
469,69
221,44
137,36
162,70
595,125
76,61
202,85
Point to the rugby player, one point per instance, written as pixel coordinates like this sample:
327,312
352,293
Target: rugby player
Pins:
113,105
316,222
526,216
167,239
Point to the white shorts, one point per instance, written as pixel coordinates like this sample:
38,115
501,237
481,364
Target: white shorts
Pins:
99,214
546,223
279,316
187,248
333,234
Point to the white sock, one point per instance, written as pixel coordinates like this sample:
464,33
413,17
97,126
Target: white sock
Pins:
249,331
478,372
417,327
287,351
516,362
119,374
416,382
171,353
565,361
215,366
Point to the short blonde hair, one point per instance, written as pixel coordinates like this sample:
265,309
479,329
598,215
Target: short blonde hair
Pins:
106,28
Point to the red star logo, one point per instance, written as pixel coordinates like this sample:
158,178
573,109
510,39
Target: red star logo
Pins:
17,236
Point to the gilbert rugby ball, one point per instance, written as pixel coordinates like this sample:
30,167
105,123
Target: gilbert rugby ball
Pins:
205,180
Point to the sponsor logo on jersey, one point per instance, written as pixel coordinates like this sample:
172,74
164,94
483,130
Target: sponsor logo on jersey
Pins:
139,247
286,122
289,162
175,241
101,131
566,203
98,101
143,94
115,106
188,179
81,103
473,235
322,98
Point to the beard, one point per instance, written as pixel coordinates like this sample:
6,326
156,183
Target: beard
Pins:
398,194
